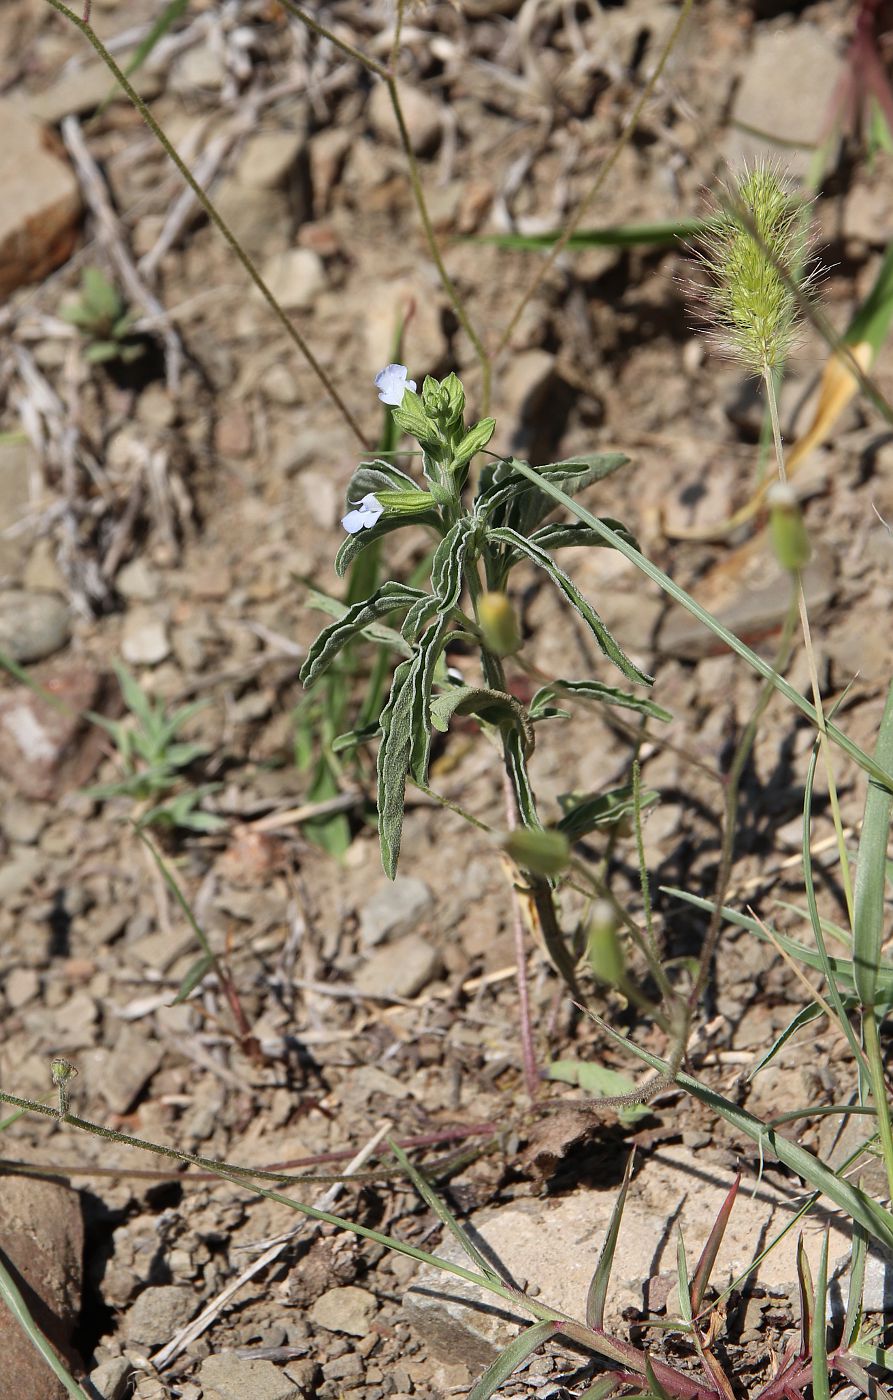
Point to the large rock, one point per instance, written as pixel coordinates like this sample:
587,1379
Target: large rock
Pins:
553,1246
42,1242
41,202
781,102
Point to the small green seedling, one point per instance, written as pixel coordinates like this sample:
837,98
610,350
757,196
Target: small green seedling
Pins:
101,316
153,759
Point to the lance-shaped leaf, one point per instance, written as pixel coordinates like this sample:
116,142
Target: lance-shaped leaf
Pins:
605,809
380,476
384,525
393,764
841,968
515,756
711,1248
507,498
495,706
869,884
508,1360
334,638
821,1387
598,1289
573,535
540,706
804,1017
598,629
428,653
474,440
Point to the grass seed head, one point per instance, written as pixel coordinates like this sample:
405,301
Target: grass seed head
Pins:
760,233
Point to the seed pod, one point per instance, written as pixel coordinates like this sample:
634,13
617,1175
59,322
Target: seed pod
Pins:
540,852
787,531
498,624
603,946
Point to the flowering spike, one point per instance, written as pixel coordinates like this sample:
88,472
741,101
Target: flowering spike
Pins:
760,231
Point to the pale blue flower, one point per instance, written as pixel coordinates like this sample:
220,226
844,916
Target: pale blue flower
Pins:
363,516
391,383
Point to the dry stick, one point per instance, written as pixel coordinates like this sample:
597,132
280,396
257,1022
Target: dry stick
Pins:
390,81
216,218
200,1324
625,137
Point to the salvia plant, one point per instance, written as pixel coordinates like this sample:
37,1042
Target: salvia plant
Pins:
478,540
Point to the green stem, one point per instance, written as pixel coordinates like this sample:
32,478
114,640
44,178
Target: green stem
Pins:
216,218
879,1090
12,1297
771,397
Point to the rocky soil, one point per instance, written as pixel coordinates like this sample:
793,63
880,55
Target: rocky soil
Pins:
169,513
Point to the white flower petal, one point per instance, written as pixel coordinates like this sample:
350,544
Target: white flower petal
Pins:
391,383
363,516
354,521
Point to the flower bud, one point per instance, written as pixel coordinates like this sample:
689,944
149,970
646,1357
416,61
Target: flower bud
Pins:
788,533
540,852
498,624
603,946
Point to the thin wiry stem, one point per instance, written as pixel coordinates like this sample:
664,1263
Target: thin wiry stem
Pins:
772,400
216,218
583,208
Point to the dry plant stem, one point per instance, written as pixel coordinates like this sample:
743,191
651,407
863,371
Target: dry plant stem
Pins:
210,209
824,744
583,208
388,77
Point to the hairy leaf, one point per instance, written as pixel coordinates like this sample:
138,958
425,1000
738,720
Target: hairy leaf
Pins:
545,562
337,635
540,706
496,706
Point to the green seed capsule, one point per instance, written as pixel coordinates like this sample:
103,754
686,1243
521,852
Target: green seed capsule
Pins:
498,624
786,528
603,946
541,852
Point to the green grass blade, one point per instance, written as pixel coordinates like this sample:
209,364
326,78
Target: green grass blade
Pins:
13,1299
821,1387
874,768
446,1217
511,1358
616,236
877,1221
178,894
853,1321
682,1280
868,889
598,1288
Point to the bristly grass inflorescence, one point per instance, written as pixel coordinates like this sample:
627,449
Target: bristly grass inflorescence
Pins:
757,252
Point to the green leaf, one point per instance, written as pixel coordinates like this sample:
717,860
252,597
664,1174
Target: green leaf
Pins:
101,296
513,1355
354,545
393,764
597,1294
600,1083
539,707
605,809
506,497
617,236
868,888
496,706
574,535
877,1221
821,1388
841,967
351,624
804,1017
598,629
197,973
713,624
428,653
412,419
474,441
